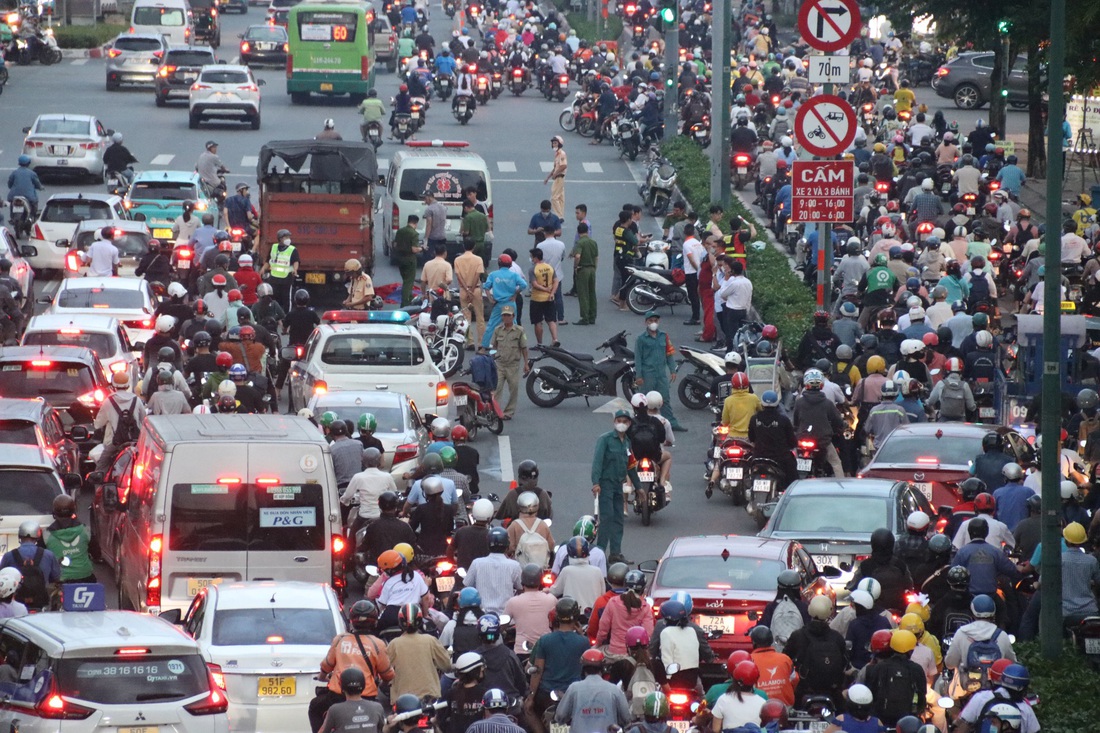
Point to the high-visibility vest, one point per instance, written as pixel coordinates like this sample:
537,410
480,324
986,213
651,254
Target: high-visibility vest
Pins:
280,261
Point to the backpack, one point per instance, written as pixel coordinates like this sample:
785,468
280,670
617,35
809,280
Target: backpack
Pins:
894,694
126,427
532,546
980,656
786,619
843,377
1085,430
953,399
823,662
979,289
33,592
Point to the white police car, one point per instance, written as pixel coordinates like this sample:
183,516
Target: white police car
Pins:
88,669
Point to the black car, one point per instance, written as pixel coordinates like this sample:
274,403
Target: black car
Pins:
264,44
179,69
967,80
240,6
207,27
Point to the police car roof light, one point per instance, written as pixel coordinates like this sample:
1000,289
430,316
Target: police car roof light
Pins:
436,144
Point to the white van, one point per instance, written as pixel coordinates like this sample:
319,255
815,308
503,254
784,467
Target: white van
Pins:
170,18
443,168
215,498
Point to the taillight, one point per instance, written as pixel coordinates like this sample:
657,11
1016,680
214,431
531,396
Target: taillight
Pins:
547,579
118,366
518,73
38,232
396,217
158,54
245,46
113,53
994,185
197,86
678,699
882,186
72,262
442,392
867,107
320,387
185,253
735,451
152,583
92,399
364,67
215,703
289,65
55,707
216,674
741,159
925,227
645,464
807,444
406,452
249,88
942,71
339,553
564,79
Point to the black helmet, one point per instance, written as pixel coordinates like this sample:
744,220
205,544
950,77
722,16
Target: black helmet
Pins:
616,574
201,339
165,377
958,577
868,341
498,539
566,610
909,724
432,463
882,540
1034,504
301,297
363,615
991,442
166,353
338,427
971,488
761,636
531,576
635,581
389,501
789,580
527,470
854,248
352,680
1087,399
940,544
407,703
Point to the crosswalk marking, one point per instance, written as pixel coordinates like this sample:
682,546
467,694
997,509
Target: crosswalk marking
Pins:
163,159
79,62
506,166
250,161
546,166
592,168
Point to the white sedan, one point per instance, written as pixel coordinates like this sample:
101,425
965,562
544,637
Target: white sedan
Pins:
129,299
264,643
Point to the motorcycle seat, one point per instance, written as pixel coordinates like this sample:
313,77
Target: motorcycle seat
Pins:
579,357
663,272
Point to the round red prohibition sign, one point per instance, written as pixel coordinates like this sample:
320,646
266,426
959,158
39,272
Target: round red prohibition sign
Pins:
829,25
825,125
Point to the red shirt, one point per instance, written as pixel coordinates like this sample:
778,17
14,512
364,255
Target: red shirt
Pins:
247,281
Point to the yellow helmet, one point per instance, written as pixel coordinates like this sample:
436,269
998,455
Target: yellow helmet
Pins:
912,622
876,365
921,610
1085,198
902,641
1075,534
405,550
880,148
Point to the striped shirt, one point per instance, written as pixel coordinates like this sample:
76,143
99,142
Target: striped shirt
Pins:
1079,572
496,578
496,723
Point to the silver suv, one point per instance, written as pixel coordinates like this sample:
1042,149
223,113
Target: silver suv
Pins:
133,58
225,92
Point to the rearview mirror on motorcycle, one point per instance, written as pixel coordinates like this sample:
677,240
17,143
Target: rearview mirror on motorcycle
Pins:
672,669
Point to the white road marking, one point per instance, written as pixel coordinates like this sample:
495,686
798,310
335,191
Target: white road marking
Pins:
614,405
163,159
79,62
250,161
507,475
506,166
569,182
592,168
546,166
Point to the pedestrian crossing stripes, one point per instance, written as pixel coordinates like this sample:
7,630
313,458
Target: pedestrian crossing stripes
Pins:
250,161
79,62
506,166
163,159
546,166
592,168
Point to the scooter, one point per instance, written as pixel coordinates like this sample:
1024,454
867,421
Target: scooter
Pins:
659,182
482,92
518,80
649,496
417,109
810,458
579,375
765,477
476,409
700,132
372,133
444,86
626,136
649,289
403,126
695,388
1086,636
449,8
462,110
743,166
21,218
733,458
496,83
117,183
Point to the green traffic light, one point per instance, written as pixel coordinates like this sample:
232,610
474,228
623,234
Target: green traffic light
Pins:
668,15
1004,26
669,83
1004,92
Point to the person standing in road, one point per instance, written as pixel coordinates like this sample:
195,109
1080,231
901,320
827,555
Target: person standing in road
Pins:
553,252
437,273
736,296
612,465
544,285
406,247
102,254
557,175
510,342
586,254
360,286
475,225
435,223
656,365
469,271
693,260
281,267
503,285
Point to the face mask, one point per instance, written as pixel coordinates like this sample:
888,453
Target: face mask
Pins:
652,327
285,241
621,427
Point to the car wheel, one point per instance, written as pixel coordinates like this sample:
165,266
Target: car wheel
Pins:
193,121
256,121
112,85
161,99
967,96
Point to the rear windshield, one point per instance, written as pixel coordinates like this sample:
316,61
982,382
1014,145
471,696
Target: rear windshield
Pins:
131,680
265,626
236,517
149,15
101,343
99,298
389,418
224,77
445,185
137,44
190,58
26,493
265,33
74,211
161,190
18,432
52,380
697,571
924,449
131,244
373,350
80,128
825,514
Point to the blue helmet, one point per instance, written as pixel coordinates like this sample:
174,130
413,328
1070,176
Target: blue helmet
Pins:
654,76
770,398
673,612
494,699
469,598
849,309
488,627
24,160
1015,678
683,597
983,606
577,547
238,371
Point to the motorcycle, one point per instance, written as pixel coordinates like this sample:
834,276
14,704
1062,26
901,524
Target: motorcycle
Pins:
810,458
659,182
402,126
700,131
117,184
579,375
649,496
695,388
649,289
744,169
985,400
462,110
21,217
481,89
372,134
1086,637
626,136
40,47
417,108
518,83
496,83
868,118
765,477
733,455
449,8
444,86
476,409
558,88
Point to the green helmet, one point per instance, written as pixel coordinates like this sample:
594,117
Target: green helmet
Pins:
367,423
449,456
655,705
880,260
328,417
585,527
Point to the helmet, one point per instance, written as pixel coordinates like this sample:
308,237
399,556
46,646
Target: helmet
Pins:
732,357
983,606
971,487
577,547
389,501
372,457
616,573
760,635
765,347
441,428
409,615
917,521
655,705
527,469
770,398
498,539
1034,504
821,317
902,641
746,674
202,340
585,527
448,455
176,290
1074,534
786,141
1012,472
30,529
871,586
407,703
862,598
769,332
882,540
683,597
482,510
889,389
739,381
390,560
528,502
654,400
859,696
958,577
813,379
367,423
985,503
24,160
164,324
912,623
1008,715
880,640
530,576
1016,678
954,365
635,581
301,298
673,612
1069,490
592,658
432,463
821,608
166,353
789,580
734,659
432,486
639,400
909,724
488,627
494,699
328,417
876,365
468,597
469,662
1087,399
352,680
459,434
363,615
566,609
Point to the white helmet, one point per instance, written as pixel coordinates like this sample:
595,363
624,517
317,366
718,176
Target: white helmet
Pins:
468,662
165,323
176,290
868,63
639,400
917,521
732,357
1069,490
10,578
889,230
871,586
227,387
911,346
655,400
786,141
202,409
330,124
264,289
860,695
482,510
528,502
862,598
926,184
441,428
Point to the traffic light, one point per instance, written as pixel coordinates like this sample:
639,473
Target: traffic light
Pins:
1004,26
667,12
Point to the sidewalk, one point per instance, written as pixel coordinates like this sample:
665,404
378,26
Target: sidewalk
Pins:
1034,194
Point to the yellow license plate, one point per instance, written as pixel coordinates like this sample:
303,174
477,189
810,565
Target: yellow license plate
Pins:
277,687
315,278
162,233
326,87
194,585
143,729
1069,305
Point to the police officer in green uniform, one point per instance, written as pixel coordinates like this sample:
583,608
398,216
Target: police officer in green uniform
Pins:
877,289
611,467
281,267
406,246
655,364
586,254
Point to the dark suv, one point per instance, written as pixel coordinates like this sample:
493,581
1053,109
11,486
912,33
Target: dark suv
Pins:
179,69
967,80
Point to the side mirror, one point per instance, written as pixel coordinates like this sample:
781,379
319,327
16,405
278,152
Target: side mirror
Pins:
28,250
221,61
111,501
241,36
61,243
79,432
96,477
43,300
648,566
138,346
110,132
261,82
381,180
753,616
26,129
461,572
172,616
944,511
72,482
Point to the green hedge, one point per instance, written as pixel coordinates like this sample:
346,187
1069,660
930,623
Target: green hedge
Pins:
87,36
779,293
586,29
1066,688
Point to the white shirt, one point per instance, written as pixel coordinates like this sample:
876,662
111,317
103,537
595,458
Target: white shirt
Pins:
101,258
974,707
918,132
397,592
999,534
734,713
367,486
736,293
580,581
693,248
559,64
1074,248
553,253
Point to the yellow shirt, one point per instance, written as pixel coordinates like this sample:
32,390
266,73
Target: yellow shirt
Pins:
737,410
904,99
934,644
543,275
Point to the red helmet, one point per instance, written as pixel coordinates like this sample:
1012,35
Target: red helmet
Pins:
770,332
200,307
224,359
404,87
746,674
774,710
990,209
883,221
459,434
781,165
234,294
740,380
954,365
958,209
892,206
985,503
248,333
998,668
736,658
880,640
930,339
592,658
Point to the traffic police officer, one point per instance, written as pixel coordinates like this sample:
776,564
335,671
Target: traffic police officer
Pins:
655,364
612,465
281,267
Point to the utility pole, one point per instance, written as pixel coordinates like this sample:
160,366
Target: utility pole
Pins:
1050,568
670,21
720,102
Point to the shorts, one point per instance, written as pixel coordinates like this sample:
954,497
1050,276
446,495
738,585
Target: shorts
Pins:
542,701
542,312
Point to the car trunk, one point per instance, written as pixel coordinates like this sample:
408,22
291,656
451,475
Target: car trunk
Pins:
939,484
728,611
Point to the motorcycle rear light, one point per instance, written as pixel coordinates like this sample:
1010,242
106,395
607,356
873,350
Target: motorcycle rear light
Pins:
994,185
564,79
868,107
970,197
994,255
807,444
185,253
741,159
645,465
734,451
518,73
775,100
445,566
678,699
882,186
925,227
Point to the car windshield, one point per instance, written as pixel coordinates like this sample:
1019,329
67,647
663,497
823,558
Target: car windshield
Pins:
74,211
813,515
101,343
18,432
99,298
955,450
363,349
711,571
58,382
27,493
265,33
264,626
130,43
446,185
389,418
163,190
152,15
76,128
128,244
190,58
132,679
230,517
224,77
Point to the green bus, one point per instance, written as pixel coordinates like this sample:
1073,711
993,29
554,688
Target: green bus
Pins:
329,51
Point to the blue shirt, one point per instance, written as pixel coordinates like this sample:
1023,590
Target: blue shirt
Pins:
561,651
51,568
985,563
24,182
1011,178
203,239
416,495
549,221
237,208
504,284
408,14
783,196
437,445
445,65
1012,504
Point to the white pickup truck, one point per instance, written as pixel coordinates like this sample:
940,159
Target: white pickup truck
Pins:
369,350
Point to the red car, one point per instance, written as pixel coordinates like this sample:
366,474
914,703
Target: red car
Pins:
936,457
730,579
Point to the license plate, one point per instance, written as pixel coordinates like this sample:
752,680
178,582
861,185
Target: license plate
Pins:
62,161
724,624
925,488
717,451
735,472
681,725
184,264
18,209
194,585
762,484
987,412
1092,646
315,278
819,726
190,77
792,227
646,476
742,169
445,584
559,728
142,729
970,211
276,687
805,464
326,86
162,233
236,247
460,400
823,560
